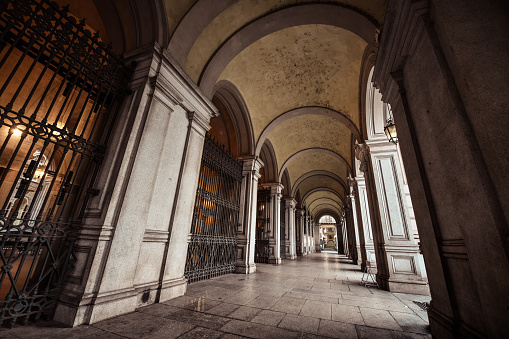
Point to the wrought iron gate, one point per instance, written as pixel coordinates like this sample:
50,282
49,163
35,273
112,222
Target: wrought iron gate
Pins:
262,249
60,87
282,251
212,248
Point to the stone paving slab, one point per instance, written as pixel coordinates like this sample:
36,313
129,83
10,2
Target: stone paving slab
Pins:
318,296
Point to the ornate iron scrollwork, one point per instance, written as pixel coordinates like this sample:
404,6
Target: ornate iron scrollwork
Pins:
60,87
212,248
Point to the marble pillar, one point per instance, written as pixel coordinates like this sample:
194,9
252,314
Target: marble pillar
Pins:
246,232
131,250
397,252
299,231
274,231
291,239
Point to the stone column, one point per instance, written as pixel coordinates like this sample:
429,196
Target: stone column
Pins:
131,250
246,232
291,227
359,231
345,237
365,221
307,246
274,231
395,245
352,235
317,236
299,231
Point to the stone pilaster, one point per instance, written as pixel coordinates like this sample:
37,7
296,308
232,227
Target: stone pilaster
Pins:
133,243
299,232
246,232
316,237
401,250
274,231
365,221
359,230
291,227
352,234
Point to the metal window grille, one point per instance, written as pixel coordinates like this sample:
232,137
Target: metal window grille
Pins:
212,248
60,88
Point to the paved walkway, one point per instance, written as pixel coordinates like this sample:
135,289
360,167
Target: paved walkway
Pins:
317,296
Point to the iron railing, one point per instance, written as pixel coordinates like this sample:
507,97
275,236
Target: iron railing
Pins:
60,88
212,248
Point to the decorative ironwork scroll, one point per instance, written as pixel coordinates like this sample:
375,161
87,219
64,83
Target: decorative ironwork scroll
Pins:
262,249
212,248
60,88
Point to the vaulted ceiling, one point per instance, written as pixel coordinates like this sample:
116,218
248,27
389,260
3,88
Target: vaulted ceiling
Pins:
297,66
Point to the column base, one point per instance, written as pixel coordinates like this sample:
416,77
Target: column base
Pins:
245,268
172,288
293,256
90,309
420,287
275,261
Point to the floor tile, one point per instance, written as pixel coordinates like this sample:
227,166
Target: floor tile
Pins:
202,332
289,305
347,314
379,318
254,330
264,301
334,329
316,309
267,317
244,313
410,322
300,323
223,309
200,319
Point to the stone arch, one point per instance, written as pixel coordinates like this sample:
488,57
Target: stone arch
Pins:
323,212
329,208
304,111
326,189
311,150
268,157
138,24
317,173
285,181
301,14
234,103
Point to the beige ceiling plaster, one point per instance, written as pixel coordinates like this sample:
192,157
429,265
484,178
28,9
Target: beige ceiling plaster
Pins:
245,11
326,210
175,10
315,161
320,181
324,201
322,194
310,131
309,65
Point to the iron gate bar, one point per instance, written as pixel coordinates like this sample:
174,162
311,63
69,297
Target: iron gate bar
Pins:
77,89
212,247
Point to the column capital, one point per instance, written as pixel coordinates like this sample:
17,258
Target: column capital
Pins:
276,188
362,154
251,165
290,202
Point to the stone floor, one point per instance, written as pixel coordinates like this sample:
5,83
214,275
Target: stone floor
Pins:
318,296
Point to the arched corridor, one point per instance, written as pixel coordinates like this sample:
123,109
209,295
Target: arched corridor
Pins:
319,294
149,145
